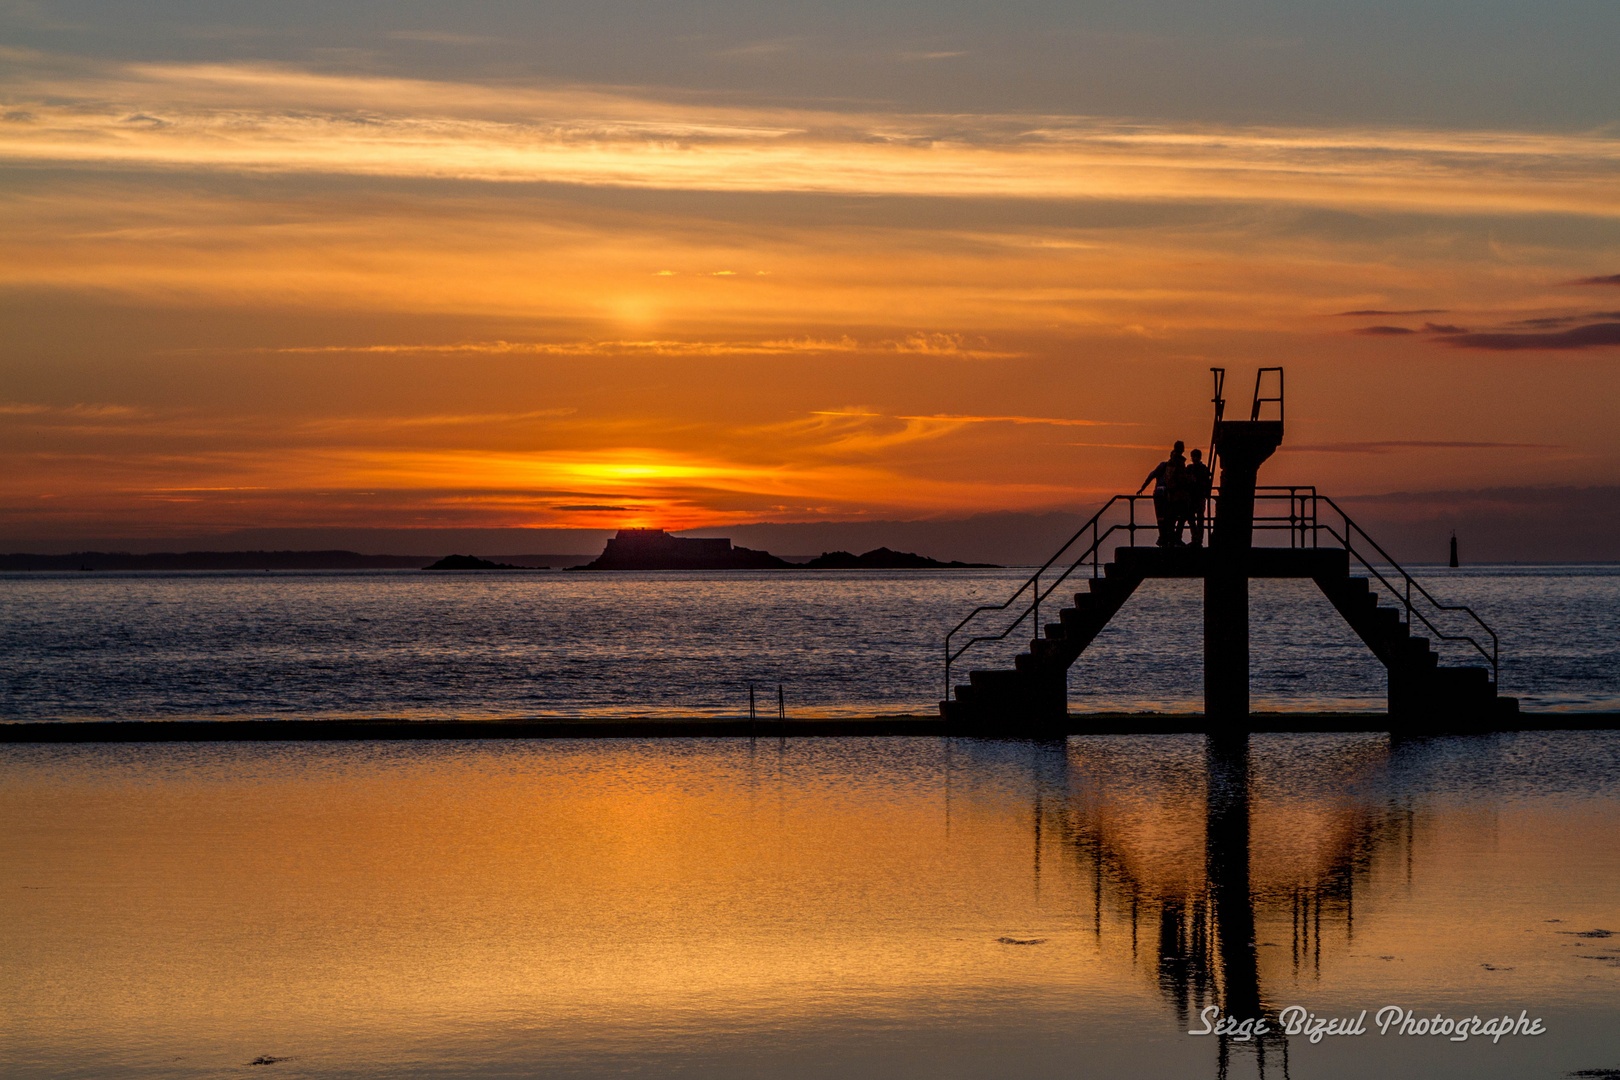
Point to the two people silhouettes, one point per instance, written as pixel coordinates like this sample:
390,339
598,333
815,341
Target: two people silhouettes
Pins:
1180,489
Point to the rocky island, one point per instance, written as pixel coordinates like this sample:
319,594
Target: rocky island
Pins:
885,559
655,549
469,562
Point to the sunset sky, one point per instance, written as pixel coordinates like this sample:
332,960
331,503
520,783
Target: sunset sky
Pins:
584,265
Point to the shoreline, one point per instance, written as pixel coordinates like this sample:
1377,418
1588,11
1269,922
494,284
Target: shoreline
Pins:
149,731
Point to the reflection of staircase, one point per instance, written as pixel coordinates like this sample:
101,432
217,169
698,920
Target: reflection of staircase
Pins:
1032,695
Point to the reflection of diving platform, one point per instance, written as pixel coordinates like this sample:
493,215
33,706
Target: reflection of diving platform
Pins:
1323,546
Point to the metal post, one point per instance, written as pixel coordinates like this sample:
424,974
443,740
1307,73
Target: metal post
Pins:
750,701
781,703
1035,631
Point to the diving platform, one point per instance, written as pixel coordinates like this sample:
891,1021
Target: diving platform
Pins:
1392,613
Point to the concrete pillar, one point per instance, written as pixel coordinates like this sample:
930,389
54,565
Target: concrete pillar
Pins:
1226,644
1243,446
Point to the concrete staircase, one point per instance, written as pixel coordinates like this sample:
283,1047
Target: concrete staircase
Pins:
1030,699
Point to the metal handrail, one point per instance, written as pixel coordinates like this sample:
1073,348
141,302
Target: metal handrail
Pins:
1304,528
1034,581
1493,656
1259,401
1302,521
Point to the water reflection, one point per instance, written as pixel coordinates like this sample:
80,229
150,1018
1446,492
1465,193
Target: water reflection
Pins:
801,907
1193,856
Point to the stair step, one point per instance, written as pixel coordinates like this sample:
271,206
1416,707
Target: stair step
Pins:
1469,678
1043,649
998,679
1055,631
1415,650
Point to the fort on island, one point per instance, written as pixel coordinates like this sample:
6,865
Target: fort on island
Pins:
655,549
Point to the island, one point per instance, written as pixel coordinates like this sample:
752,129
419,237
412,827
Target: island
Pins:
655,549
470,562
886,559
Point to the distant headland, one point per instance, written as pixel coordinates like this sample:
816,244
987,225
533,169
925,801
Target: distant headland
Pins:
171,561
631,549
655,549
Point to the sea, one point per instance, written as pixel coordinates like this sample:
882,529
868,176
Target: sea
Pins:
412,644
1314,906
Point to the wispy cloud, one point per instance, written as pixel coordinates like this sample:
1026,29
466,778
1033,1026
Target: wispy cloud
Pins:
355,424
1610,279
654,347
1055,421
81,411
932,344
262,118
1369,312
771,47
1591,336
1393,445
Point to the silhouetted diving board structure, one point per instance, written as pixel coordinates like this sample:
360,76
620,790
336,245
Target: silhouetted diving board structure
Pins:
1323,544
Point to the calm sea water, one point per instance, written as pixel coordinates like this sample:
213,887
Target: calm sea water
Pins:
372,644
838,908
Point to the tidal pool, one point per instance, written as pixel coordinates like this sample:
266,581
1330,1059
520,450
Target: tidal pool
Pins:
810,908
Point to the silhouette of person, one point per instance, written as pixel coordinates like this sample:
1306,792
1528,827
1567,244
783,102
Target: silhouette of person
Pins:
1194,493
1164,478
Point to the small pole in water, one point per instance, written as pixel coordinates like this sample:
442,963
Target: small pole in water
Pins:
781,703
1453,549
750,701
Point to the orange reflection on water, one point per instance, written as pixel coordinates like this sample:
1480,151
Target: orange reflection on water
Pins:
733,906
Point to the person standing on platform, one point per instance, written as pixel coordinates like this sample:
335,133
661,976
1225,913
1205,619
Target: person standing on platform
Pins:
1165,477
1195,480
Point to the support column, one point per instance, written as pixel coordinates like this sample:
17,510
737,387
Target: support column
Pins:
1226,643
1243,446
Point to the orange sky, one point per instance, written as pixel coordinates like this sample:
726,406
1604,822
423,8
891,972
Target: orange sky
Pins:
242,293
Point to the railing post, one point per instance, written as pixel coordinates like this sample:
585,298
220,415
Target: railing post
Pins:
1035,631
